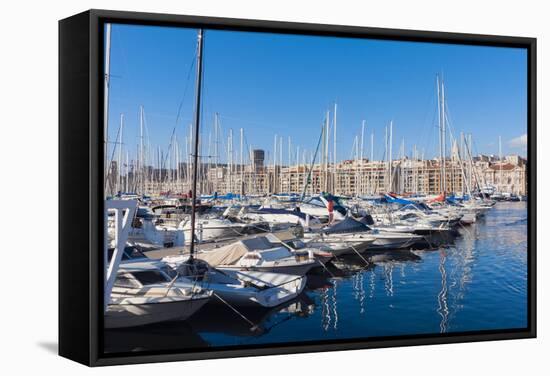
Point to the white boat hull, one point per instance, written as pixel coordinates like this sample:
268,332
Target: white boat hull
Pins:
139,312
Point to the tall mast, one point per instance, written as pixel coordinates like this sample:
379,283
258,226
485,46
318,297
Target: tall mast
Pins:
401,169
230,158
334,151
119,164
439,127
127,171
274,164
372,146
177,161
390,156
289,158
106,84
386,155
141,148
281,163
216,155
326,151
209,167
356,177
361,156
443,136
297,164
500,162
189,156
242,164
159,166
371,188
415,170
196,146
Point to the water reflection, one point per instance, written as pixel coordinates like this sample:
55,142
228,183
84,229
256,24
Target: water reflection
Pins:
443,309
359,290
388,278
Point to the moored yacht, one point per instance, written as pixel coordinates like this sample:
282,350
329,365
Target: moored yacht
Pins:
144,294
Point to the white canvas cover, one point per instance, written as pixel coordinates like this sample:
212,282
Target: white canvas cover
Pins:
227,255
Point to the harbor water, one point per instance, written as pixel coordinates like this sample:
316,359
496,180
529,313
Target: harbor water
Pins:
477,283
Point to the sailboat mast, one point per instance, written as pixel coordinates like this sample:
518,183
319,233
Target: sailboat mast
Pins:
289,158
500,162
281,163
439,127
119,163
230,158
386,155
196,139
391,156
334,152
242,164
443,137
106,84
361,157
327,151
274,163
141,149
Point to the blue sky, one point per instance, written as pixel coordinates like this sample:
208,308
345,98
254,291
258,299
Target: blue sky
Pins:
283,84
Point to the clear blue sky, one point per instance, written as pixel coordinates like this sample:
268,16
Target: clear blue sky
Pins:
283,84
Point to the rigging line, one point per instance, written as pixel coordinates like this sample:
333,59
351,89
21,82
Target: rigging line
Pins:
180,108
428,126
110,160
123,51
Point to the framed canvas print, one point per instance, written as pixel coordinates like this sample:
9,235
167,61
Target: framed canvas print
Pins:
239,187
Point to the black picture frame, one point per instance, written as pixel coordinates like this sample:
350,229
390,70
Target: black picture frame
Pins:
81,161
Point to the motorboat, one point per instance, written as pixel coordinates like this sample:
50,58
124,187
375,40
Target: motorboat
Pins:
277,216
212,229
259,254
238,287
144,294
317,206
351,230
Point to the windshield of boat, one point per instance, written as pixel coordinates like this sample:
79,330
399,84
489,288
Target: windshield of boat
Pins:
316,201
171,272
150,277
125,281
422,206
275,254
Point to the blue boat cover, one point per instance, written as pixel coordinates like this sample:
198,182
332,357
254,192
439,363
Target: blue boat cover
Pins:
396,200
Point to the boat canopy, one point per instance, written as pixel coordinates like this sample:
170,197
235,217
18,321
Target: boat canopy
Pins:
348,225
227,255
397,200
230,254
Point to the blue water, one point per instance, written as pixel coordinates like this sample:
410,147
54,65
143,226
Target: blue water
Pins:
479,283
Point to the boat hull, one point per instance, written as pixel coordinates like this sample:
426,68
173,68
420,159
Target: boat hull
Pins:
131,314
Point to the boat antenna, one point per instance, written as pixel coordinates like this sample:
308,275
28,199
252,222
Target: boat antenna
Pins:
196,146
